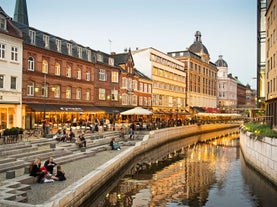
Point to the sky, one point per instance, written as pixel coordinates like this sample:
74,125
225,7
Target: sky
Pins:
228,27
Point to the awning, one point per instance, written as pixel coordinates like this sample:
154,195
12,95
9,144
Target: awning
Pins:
108,109
62,108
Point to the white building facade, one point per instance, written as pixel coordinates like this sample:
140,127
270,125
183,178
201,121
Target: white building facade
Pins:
226,86
11,48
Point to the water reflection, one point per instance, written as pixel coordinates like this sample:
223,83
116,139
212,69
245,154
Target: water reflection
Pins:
206,174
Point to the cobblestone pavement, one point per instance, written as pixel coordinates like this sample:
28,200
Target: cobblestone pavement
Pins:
74,170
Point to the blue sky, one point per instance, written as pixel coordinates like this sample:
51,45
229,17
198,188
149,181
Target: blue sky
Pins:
228,27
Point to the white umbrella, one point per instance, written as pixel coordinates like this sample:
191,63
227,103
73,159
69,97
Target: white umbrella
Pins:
137,111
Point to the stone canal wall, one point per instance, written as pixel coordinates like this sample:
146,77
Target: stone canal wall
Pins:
77,193
260,154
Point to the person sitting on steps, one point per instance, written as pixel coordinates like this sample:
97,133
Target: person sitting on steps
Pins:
114,145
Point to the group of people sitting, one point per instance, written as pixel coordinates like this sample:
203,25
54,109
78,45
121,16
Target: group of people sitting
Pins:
46,173
63,136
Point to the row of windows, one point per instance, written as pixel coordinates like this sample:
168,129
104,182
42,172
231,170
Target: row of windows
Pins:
271,39
272,85
272,16
81,52
131,84
205,71
133,100
271,62
13,82
13,53
68,72
170,87
166,62
162,100
56,89
169,75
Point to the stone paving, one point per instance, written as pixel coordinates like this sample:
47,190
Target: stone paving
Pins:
75,168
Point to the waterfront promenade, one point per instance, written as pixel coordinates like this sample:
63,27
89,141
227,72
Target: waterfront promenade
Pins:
90,169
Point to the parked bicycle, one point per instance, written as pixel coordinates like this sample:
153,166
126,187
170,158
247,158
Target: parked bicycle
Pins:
30,133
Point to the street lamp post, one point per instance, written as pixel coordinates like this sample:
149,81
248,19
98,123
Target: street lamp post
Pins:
44,98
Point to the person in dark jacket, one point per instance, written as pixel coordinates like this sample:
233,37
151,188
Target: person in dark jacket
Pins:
60,175
50,164
36,171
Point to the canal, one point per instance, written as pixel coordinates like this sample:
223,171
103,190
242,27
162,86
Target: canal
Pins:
208,174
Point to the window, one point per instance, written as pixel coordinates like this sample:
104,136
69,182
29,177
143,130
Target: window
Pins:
68,92
102,94
57,69
145,88
69,48
59,45
13,82
2,51
124,99
88,94
46,41
78,93
68,71
102,75
31,64
99,57
57,91
3,23
44,66
14,54
111,61
89,54
79,74
1,81
149,101
32,35
30,88
79,50
87,76
140,100
124,82
44,90
149,88
141,87
114,95
114,76
135,84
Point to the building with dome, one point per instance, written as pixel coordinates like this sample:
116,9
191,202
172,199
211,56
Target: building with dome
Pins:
201,74
226,86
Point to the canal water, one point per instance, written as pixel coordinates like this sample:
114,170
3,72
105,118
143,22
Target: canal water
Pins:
211,174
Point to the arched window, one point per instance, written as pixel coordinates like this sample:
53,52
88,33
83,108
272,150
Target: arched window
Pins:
79,74
78,93
31,64
57,69
68,71
68,92
44,66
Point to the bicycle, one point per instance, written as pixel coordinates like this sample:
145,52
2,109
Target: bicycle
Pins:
30,133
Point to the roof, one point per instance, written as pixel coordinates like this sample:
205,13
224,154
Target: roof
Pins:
198,47
220,62
141,75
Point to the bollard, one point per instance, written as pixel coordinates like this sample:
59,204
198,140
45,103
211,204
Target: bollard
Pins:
52,145
10,174
26,170
83,149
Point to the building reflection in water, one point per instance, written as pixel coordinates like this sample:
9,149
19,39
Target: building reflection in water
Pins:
184,178
187,177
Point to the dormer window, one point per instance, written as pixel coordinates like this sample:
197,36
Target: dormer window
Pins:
89,54
111,61
46,41
32,35
3,23
79,49
99,58
59,45
69,48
